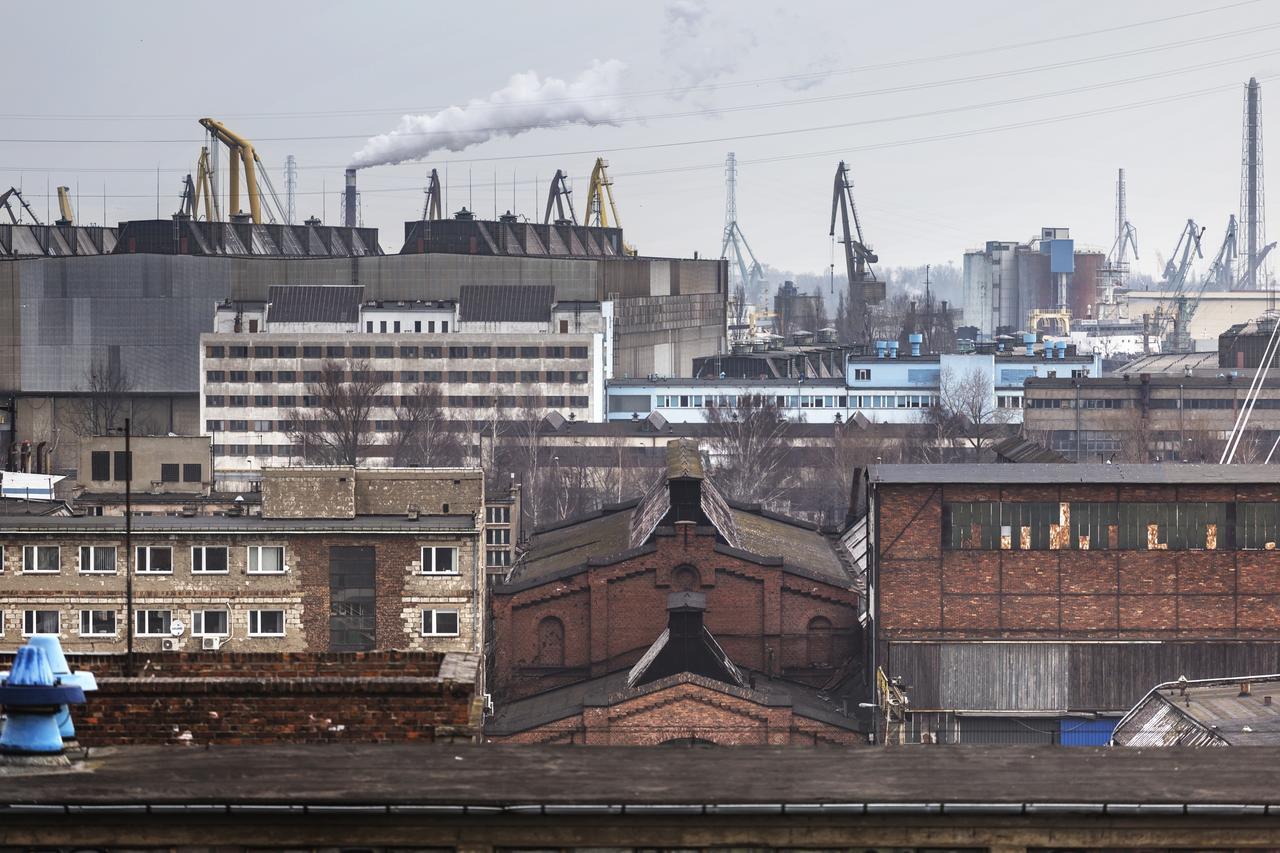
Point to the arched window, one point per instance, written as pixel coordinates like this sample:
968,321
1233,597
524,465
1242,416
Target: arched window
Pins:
551,642
685,579
821,639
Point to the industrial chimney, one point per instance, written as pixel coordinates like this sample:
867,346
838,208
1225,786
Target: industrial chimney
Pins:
349,200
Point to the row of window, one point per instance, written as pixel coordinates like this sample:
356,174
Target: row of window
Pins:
402,376
801,401
204,623
359,351
456,401
205,559
395,327
155,623
1087,525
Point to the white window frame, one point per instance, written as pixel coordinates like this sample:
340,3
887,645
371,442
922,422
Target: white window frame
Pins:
204,549
29,625
115,623
428,557
256,615
91,567
138,567
253,556
429,619
138,622
198,618
35,551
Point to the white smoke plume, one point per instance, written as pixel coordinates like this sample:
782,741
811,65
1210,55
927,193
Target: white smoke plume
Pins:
526,103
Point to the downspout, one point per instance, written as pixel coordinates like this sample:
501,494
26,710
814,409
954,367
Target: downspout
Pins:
873,589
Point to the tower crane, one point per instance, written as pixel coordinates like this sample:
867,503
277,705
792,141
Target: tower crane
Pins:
750,275
431,208
600,190
242,151
864,288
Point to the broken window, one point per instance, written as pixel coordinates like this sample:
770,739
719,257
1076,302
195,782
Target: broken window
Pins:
1257,526
1088,525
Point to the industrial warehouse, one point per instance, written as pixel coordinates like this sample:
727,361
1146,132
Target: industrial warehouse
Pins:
717,431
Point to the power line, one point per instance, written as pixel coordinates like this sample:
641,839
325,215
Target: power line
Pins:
788,78
792,102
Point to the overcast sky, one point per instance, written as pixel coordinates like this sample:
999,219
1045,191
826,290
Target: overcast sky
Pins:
103,94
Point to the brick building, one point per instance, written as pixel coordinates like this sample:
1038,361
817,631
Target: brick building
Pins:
1038,603
586,610
338,560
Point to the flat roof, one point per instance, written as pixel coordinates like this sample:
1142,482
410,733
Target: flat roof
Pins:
1086,473
728,382
246,524
514,777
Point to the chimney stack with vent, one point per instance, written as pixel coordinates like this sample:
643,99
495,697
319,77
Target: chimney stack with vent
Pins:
349,200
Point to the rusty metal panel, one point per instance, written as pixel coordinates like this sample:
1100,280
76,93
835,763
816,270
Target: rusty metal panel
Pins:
916,664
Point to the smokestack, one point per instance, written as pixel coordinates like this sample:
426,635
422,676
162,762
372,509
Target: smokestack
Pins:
349,200
1251,214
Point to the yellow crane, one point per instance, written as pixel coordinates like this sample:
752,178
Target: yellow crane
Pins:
64,206
200,187
599,190
242,152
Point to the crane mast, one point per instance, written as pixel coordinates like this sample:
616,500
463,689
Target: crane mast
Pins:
864,288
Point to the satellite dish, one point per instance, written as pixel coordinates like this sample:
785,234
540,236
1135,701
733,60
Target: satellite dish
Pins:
177,627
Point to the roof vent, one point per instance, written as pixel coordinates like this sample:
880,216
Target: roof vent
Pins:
412,512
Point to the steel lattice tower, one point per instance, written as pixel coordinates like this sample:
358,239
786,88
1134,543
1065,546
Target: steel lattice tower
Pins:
1253,223
735,247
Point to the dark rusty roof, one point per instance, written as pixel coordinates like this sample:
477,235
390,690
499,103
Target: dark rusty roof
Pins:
311,303
1087,473
505,303
1015,448
1015,779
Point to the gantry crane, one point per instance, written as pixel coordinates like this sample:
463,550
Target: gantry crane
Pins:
431,208
200,187
598,191
560,197
6,203
864,288
242,151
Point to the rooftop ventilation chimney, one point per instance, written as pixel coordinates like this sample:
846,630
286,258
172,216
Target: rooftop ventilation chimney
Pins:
349,200
915,339
1029,340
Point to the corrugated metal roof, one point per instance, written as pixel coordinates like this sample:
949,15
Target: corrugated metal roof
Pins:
505,303
310,303
1215,712
1089,473
1024,450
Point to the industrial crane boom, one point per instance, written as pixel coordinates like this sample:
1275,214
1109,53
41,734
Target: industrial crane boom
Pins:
864,288
67,216
600,190
13,192
242,151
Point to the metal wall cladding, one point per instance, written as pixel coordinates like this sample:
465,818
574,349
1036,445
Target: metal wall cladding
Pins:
1077,676
1004,676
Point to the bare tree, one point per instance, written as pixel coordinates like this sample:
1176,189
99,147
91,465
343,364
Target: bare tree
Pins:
104,401
967,403
850,447
421,435
335,429
749,448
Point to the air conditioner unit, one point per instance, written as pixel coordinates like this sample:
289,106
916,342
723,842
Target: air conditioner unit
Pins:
170,644
211,644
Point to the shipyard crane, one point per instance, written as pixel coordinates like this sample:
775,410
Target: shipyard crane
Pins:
1175,272
242,151
6,198
600,190
193,190
1219,275
864,288
432,206
560,197
750,275
66,215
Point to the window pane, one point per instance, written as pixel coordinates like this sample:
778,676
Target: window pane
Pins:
446,621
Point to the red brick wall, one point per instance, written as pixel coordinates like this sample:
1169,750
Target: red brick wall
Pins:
928,592
293,698
611,614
